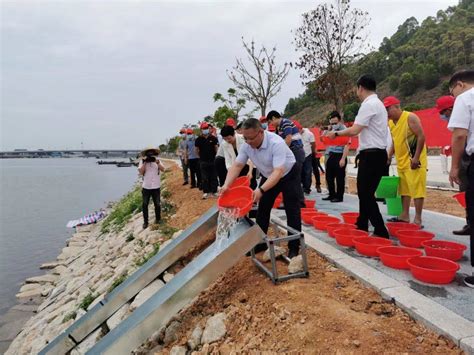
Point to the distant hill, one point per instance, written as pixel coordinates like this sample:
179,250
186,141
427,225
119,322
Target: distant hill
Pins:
414,64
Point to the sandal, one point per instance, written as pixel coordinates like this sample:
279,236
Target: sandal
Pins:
396,219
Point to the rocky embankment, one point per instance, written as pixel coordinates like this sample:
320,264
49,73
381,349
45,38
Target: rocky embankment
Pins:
97,259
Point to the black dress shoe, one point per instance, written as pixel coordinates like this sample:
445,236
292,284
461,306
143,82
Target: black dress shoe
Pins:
469,281
337,200
185,183
328,198
292,253
145,225
466,230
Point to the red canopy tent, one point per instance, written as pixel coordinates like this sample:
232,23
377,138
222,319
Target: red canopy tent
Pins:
436,131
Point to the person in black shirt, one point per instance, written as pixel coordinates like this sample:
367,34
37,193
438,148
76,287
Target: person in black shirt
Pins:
206,147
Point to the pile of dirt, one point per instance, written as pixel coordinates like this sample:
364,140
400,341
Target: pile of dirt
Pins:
327,312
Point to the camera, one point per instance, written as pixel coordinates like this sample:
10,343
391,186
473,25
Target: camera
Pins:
149,158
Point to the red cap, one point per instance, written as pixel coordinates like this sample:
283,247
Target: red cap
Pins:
204,125
230,122
189,131
263,119
444,102
297,124
271,128
390,100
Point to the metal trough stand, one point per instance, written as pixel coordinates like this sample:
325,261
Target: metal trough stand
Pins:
180,291
78,331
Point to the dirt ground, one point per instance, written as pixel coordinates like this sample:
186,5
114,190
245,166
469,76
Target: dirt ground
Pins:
329,312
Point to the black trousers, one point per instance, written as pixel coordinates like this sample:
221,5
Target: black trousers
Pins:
208,177
465,162
253,180
306,173
195,172
185,168
470,204
372,165
316,167
155,195
335,175
220,169
298,152
289,186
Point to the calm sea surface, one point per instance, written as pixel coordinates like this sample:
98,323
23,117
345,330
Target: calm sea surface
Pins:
37,198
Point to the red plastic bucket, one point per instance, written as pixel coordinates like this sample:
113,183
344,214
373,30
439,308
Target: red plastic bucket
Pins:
444,249
461,198
433,270
345,236
335,141
309,203
397,257
350,217
368,245
413,238
331,227
241,181
306,210
237,197
393,227
321,222
307,217
277,202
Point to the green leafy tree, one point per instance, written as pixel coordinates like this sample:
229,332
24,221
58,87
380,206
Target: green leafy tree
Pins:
407,85
234,101
350,111
430,76
393,82
221,115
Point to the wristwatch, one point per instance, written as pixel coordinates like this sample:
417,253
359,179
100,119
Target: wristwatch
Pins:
261,190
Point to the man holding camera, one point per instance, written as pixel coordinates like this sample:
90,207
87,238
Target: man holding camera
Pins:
150,168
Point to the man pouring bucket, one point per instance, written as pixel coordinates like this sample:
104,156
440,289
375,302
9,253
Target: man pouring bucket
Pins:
277,165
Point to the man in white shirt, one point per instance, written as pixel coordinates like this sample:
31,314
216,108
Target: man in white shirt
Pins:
277,165
461,123
309,147
371,126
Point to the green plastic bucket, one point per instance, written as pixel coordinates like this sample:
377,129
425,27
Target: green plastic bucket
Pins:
388,187
394,206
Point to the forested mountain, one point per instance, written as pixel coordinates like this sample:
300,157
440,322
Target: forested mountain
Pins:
413,64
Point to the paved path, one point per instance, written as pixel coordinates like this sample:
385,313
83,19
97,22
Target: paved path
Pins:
428,302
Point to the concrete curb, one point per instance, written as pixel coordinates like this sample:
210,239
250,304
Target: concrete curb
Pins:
433,315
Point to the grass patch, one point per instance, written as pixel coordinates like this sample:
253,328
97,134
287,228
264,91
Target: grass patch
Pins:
123,211
165,194
140,261
117,282
167,231
86,301
69,316
129,238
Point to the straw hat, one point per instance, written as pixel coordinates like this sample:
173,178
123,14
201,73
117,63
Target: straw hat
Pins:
155,151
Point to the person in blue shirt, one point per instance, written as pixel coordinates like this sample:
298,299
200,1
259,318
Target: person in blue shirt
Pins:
277,165
287,130
193,160
336,162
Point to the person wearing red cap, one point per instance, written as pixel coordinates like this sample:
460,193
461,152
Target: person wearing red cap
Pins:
444,105
206,147
263,122
193,160
461,123
412,162
230,122
182,155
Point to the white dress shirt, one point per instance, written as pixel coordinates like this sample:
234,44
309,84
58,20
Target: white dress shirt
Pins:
373,117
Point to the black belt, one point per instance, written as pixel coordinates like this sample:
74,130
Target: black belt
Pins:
372,150
334,153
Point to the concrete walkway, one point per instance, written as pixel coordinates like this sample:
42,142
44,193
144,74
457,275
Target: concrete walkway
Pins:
449,309
435,177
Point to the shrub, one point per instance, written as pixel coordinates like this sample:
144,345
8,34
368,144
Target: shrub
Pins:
123,210
413,107
86,301
69,316
407,85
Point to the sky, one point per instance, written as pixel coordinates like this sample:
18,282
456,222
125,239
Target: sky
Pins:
130,74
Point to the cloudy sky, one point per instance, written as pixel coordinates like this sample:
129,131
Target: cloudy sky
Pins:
129,74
